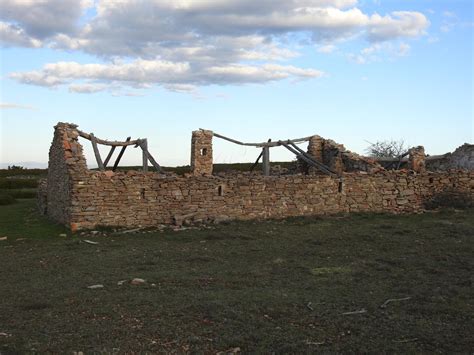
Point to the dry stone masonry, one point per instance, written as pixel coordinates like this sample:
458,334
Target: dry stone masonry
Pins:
461,158
201,152
81,198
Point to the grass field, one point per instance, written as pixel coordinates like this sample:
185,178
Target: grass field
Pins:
271,286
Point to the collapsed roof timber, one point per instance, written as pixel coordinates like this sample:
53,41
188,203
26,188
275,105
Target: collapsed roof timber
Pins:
323,155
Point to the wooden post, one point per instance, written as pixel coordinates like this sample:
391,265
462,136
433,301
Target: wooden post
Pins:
258,159
144,146
266,161
117,161
149,157
109,156
96,153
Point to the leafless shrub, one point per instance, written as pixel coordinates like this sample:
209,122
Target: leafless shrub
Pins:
386,149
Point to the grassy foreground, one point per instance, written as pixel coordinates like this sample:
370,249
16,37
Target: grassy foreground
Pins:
272,286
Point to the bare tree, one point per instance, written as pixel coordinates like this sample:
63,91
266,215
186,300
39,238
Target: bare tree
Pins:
386,149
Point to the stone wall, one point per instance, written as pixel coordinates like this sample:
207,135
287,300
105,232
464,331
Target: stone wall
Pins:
337,158
130,199
67,166
147,199
461,158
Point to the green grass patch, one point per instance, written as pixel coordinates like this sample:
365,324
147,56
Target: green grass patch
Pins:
6,198
271,286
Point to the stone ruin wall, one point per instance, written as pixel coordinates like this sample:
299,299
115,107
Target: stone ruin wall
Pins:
461,158
337,158
82,198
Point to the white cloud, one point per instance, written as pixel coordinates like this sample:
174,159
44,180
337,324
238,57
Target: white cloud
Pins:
7,106
182,44
378,52
327,48
179,77
399,24
403,49
11,35
42,18
87,88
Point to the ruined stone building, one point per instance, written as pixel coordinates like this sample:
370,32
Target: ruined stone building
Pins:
81,198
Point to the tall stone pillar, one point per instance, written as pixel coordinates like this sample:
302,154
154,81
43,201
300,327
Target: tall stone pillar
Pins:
416,159
201,152
315,148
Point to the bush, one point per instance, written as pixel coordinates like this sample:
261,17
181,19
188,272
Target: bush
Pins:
23,172
388,148
6,199
18,183
23,193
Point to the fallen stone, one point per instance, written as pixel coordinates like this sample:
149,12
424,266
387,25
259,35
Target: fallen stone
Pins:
63,235
121,282
221,219
137,281
230,351
3,238
94,287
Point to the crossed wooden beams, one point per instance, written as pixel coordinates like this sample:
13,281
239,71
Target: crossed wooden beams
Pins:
288,144
142,143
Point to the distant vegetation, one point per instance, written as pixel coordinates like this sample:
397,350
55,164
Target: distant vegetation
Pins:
17,182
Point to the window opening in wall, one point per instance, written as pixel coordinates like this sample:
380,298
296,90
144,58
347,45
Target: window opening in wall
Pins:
339,187
204,151
431,180
220,190
142,194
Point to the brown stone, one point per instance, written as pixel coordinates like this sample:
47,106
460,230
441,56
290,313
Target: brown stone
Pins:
81,199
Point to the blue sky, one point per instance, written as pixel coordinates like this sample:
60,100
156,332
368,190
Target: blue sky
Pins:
353,71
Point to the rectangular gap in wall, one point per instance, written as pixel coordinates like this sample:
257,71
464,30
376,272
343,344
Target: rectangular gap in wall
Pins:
339,187
142,193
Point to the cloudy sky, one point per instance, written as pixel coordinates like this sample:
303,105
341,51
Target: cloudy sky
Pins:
354,71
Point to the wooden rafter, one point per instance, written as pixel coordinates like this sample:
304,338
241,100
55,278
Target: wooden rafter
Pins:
111,143
260,145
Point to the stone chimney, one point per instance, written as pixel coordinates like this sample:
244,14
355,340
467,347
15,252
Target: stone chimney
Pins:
201,152
315,148
416,159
